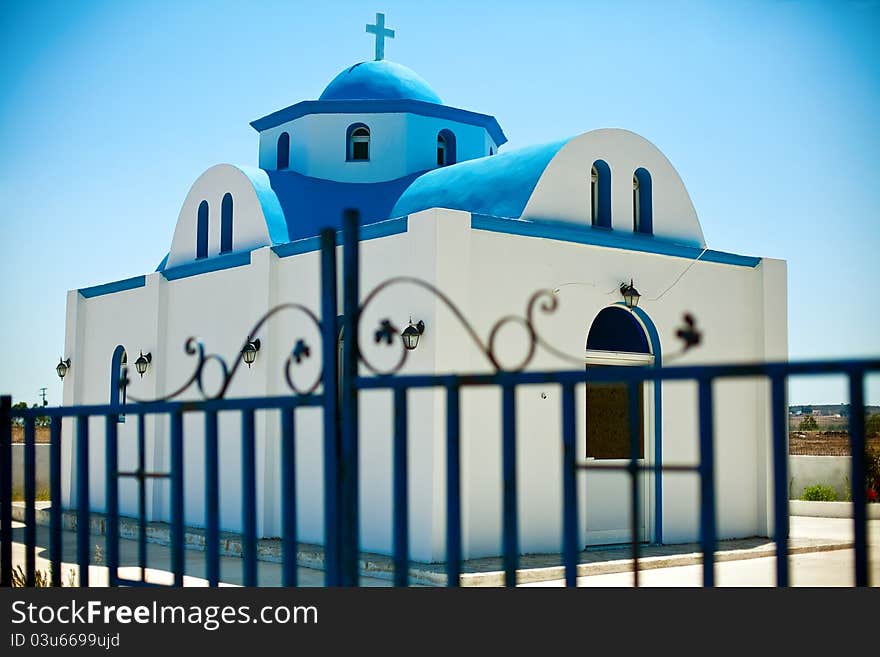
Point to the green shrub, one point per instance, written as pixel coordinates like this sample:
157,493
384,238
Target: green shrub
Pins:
819,493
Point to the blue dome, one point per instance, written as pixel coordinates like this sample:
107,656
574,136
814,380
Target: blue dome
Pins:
379,80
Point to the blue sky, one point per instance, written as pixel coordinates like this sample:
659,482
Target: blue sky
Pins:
110,110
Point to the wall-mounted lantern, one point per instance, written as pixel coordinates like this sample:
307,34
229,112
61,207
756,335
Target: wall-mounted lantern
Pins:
630,294
62,367
249,351
412,333
142,362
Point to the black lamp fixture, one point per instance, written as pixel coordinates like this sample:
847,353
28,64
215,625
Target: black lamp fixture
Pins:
143,362
62,367
249,351
630,294
412,333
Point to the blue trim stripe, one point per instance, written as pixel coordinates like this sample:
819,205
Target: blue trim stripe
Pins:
382,106
369,232
115,286
210,264
654,339
606,238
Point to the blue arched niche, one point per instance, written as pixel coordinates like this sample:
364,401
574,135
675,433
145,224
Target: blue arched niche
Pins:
643,214
600,212
117,382
226,224
617,329
202,231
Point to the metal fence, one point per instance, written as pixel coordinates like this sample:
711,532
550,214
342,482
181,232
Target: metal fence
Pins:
340,452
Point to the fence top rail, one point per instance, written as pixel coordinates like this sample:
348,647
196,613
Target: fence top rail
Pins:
633,374
597,374
180,406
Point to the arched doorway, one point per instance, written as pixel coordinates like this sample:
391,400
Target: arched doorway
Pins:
616,338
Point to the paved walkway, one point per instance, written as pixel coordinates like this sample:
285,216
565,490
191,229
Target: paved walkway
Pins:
159,560
823,568
820,557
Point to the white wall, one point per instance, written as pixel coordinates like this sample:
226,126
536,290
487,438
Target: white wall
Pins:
831,471
400,144
491,275
488,275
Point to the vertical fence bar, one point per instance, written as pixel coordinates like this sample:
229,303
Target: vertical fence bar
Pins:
30,501
249,497
111,482
569,487
5,491
779,418
857,475
707,481
142,497
82,498
658,453
510,534
177,539
401,494
330,386
212,500
288,497
634,411
453,485
350,538
55,540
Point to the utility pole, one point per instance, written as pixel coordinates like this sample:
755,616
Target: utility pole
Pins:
43,395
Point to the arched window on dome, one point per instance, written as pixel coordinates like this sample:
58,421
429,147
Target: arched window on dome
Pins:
358,143
445,148
600,194
226,224
643,216
202,231
283,152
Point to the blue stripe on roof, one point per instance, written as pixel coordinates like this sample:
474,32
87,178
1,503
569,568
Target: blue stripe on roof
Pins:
607,238
498,185
369,232
489,123
215,263
115,286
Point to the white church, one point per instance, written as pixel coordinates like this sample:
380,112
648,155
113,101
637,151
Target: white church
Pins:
441,199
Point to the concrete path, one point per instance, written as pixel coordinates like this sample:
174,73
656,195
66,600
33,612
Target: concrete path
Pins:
824,568
159,562
820,548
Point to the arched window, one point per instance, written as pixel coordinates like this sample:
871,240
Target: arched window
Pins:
226,224
445,148
491,151
202,231
358,143
643,216
600,194
283,152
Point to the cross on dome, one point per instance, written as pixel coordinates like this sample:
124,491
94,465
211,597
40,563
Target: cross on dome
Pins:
381,32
